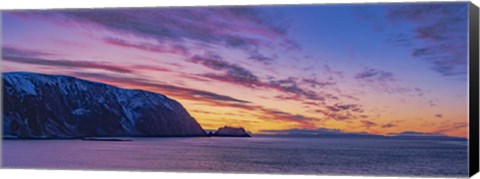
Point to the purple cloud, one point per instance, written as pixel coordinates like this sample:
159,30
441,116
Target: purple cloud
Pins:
214,96
439,36
345,107
292,86
367,124
242,28
336,115
261,58
302,120
384,81
451,127
9,51
172,90
314,83
375,75
31,57
389,125
235,74
175,49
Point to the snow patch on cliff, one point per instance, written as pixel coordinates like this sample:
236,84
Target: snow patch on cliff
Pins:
80,111
21,84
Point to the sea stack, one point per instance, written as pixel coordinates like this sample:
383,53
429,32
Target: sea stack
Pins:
227,131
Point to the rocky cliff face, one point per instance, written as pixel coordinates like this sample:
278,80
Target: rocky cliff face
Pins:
53,106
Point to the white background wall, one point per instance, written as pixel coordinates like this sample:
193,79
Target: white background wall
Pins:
53,174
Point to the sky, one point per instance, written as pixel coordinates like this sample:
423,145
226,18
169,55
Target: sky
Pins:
384,69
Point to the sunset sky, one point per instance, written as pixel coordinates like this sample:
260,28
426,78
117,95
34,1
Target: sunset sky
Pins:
371,68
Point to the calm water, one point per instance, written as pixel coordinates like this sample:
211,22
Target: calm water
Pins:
245,155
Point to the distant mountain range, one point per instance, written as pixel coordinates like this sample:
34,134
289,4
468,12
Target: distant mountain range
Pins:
55,106
328,133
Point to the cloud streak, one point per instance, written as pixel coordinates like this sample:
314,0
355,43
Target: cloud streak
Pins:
238,75
439,36
375,75
241,28
176,49
368,124
389,125
384,81
233,72
30,57
172,90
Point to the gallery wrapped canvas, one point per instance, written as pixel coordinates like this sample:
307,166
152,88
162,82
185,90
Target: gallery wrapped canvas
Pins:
384,89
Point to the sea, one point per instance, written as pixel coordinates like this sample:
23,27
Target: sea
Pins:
282,155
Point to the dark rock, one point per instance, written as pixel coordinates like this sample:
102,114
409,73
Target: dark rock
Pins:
231,132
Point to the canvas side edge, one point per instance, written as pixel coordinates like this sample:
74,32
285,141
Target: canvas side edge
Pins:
473,89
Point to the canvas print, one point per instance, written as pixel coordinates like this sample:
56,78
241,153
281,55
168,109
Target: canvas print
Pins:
340,89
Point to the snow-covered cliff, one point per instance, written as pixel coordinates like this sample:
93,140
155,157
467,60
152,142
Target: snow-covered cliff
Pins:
55,106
